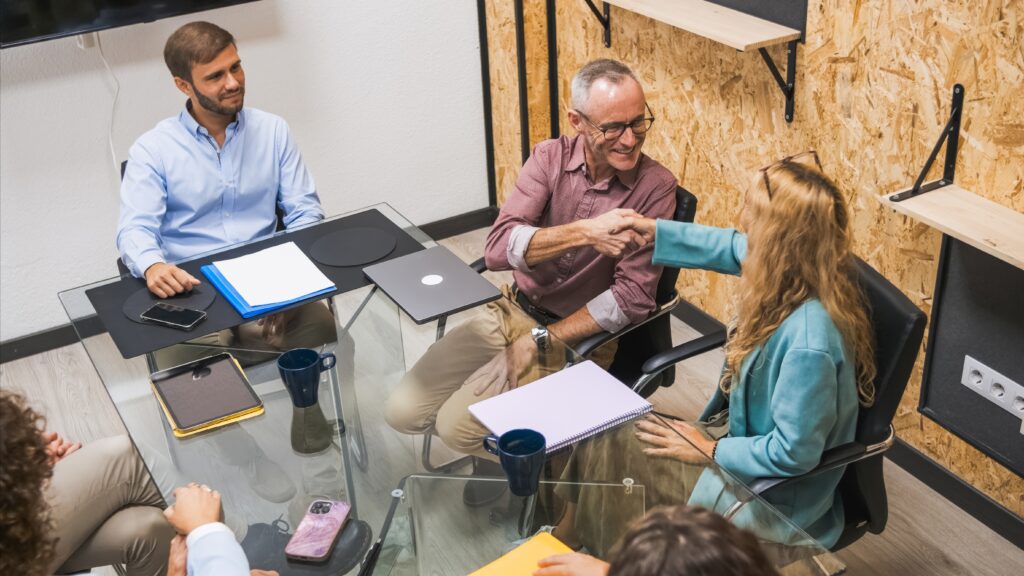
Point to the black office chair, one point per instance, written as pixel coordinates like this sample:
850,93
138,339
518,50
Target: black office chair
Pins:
898,330
639,342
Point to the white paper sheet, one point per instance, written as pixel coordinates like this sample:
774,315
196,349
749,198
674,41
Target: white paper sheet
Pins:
277,274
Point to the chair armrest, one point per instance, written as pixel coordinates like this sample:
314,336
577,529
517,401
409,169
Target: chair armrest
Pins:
830,460
479,266
659,362
594,341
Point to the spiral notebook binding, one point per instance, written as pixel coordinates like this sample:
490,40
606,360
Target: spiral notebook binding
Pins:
606,425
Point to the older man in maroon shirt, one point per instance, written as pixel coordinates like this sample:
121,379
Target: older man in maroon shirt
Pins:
578,268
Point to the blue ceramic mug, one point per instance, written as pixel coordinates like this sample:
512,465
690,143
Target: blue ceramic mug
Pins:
522,453
300,370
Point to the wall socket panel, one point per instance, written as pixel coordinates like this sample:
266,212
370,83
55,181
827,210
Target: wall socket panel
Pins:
995,387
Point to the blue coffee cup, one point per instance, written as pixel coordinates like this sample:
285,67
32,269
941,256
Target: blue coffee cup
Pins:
300,370
522,453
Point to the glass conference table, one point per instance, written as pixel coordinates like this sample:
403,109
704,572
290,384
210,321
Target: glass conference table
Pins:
405,489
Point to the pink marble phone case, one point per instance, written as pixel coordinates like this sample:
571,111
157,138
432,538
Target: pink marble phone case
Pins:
319,528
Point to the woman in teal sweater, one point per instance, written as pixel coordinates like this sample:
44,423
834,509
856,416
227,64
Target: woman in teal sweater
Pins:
799,360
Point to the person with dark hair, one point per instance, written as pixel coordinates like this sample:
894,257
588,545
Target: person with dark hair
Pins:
212,176
98,508
673,541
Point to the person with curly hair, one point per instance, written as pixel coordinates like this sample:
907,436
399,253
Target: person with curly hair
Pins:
672,541
26,542
69,507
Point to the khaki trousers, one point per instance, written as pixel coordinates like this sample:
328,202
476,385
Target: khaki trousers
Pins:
309,326
433,392
106,510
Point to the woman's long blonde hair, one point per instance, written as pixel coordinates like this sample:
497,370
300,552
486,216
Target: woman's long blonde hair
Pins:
799,248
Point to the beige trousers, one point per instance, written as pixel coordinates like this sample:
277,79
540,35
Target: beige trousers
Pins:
433,392
309,326
106,510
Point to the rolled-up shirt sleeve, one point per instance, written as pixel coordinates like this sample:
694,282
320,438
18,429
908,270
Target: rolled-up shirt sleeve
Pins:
607,313
636,277
296,192
522,210
518,242
143,203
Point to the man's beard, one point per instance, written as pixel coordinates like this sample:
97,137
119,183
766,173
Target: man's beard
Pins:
211,105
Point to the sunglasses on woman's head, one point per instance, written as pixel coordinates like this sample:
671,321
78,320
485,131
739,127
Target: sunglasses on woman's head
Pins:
787,160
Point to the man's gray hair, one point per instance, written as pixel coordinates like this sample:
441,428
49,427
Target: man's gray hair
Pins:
611,70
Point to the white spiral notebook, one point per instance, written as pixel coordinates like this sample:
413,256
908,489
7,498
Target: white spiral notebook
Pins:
565,407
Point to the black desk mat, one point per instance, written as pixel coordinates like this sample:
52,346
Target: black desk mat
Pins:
133,339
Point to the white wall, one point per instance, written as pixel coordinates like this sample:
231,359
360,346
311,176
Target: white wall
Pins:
383,98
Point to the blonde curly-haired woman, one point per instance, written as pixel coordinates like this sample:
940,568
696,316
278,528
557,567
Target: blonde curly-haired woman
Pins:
799,361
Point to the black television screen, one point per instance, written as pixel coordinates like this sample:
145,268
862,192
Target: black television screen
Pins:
27,21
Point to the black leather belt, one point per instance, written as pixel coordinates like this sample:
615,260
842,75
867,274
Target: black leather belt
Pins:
539,314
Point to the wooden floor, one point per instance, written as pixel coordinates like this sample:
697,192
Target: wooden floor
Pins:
926,534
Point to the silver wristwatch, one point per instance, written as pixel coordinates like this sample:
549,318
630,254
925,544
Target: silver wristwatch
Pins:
541,338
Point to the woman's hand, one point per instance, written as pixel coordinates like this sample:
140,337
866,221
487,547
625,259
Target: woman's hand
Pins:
645,227
574,564
674,439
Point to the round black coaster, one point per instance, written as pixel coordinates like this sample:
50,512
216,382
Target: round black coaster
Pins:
352,247
199,298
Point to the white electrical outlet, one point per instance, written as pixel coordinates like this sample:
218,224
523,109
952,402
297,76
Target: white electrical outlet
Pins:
997,388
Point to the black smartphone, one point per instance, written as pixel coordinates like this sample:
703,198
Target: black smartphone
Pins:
173,316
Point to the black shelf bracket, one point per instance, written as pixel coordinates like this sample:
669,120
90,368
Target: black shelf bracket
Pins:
605,19
951,136
788,86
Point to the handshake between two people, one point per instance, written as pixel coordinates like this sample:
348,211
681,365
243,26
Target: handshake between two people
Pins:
618,232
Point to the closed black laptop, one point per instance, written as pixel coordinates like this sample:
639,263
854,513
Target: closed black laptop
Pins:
431,283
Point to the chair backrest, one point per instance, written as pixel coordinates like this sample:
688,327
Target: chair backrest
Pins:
898,329
637,346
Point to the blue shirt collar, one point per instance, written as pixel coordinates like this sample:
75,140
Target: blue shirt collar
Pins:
196,130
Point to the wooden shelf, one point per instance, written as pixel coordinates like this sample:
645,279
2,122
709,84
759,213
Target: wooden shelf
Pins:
964,215
724,25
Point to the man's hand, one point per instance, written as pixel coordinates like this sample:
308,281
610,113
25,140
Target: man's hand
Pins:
58,448
166,280
263,573
194,506
611,234
677,440
177,560
502,372
574,564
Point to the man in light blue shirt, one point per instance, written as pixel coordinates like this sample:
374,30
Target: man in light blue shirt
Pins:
213,174
210,177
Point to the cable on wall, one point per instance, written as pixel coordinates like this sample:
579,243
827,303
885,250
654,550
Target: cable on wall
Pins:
113,107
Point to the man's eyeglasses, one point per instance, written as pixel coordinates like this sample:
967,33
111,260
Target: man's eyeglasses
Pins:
794,159
614,130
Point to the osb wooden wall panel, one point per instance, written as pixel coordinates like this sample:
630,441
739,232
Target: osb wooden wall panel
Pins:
501,51
505,88
873,90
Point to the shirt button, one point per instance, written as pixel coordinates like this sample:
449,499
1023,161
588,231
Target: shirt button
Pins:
534,298
559,280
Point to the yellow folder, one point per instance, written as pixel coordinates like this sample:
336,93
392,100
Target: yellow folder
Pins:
523,560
